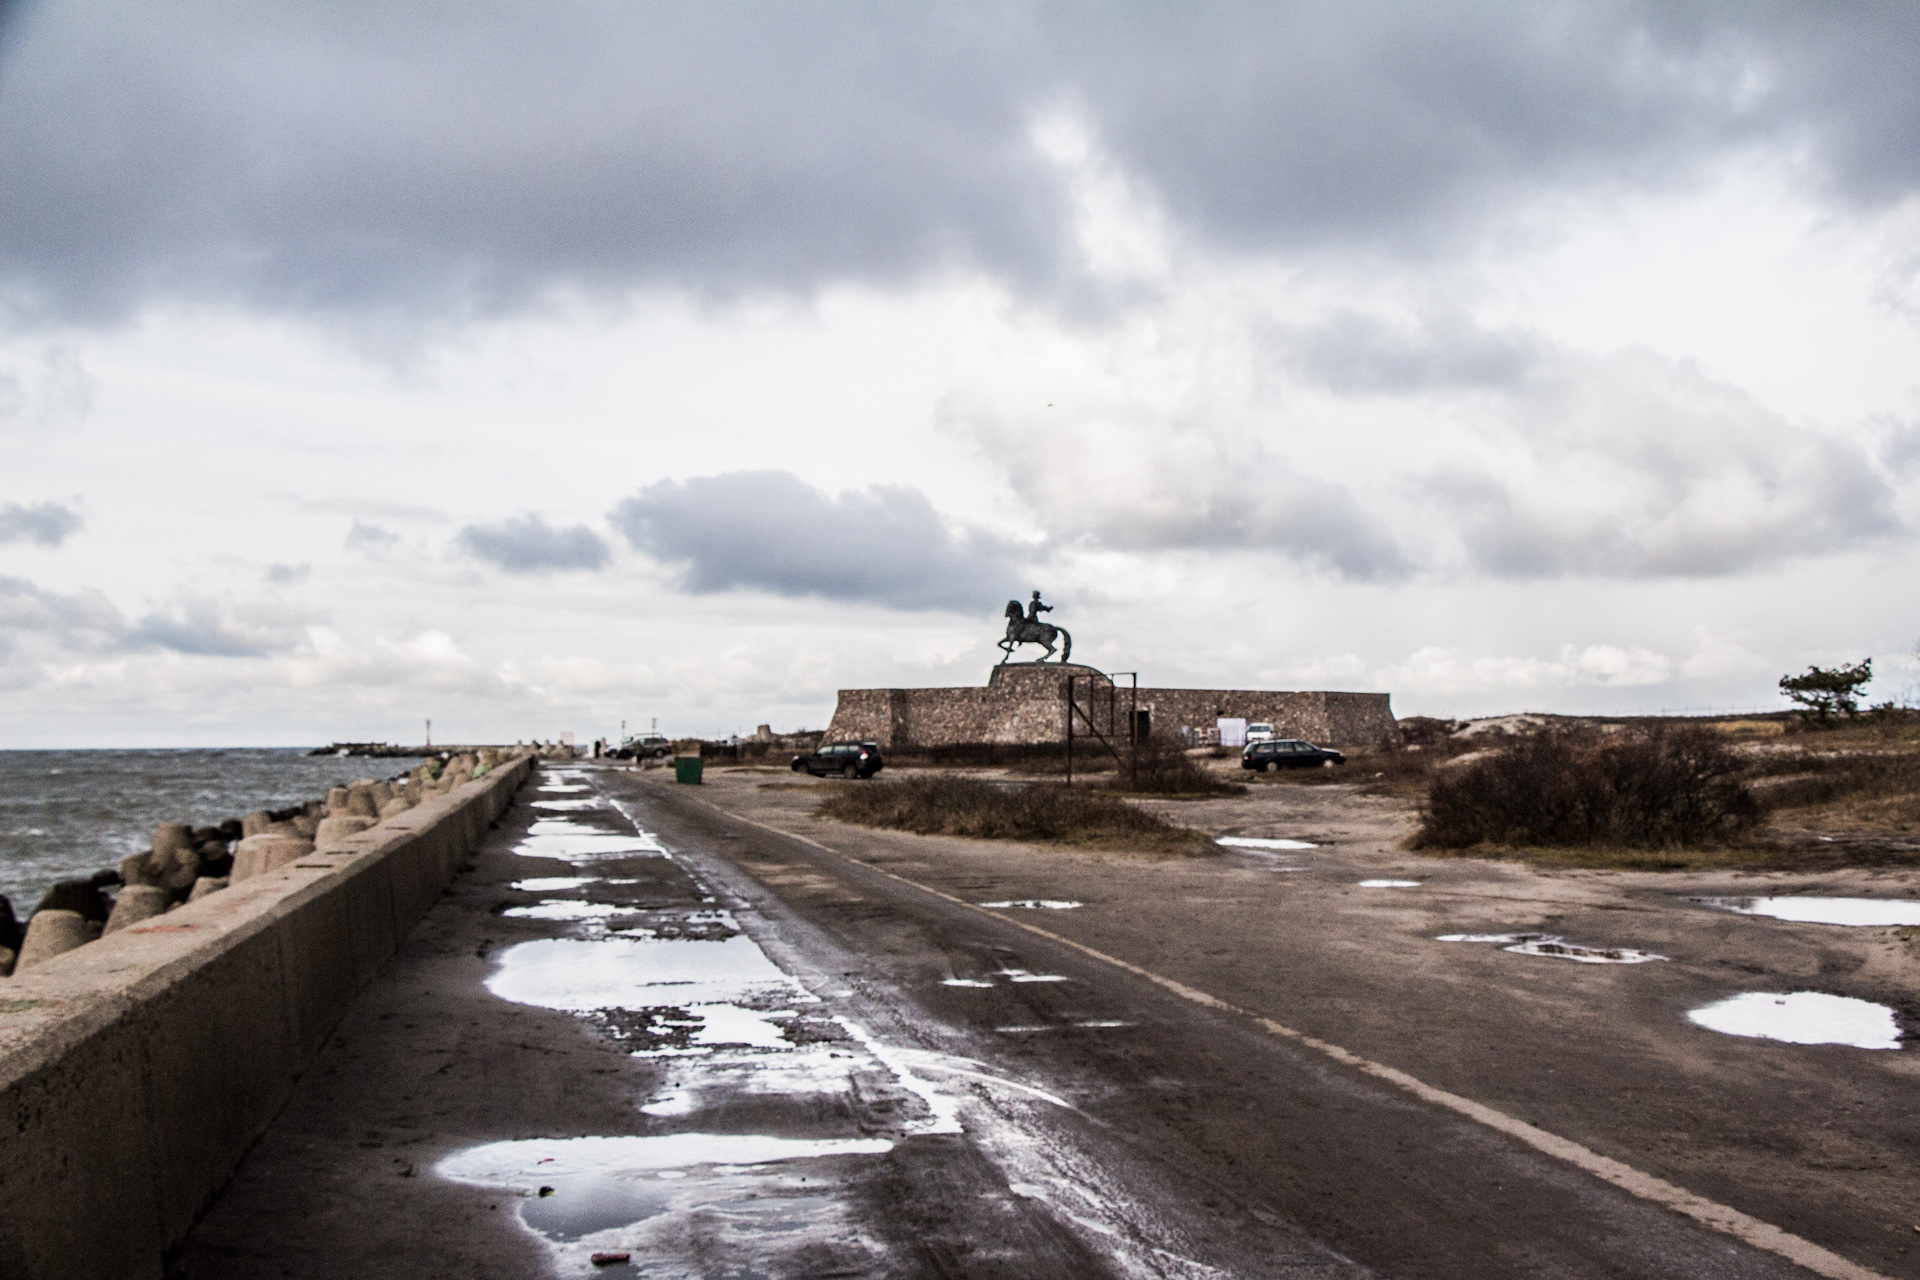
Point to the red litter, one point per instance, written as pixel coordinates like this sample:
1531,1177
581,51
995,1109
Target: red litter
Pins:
608,1259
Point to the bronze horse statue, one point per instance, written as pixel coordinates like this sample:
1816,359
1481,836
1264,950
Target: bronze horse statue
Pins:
1025,628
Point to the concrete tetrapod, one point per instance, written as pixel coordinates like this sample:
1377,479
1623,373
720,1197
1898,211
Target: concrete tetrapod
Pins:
136,902
257,855
52,933
206,885
254,823
169,838
394,807
360,799
337,828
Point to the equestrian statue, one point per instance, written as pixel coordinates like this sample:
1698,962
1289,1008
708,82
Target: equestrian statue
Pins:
1025,627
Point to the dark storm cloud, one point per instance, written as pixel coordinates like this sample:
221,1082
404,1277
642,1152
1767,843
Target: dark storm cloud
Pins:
769,531
528,544
380,160
47,523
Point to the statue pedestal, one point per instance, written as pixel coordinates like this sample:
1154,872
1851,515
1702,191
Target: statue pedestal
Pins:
1033,674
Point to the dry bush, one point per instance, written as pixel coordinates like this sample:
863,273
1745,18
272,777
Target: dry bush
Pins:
1162,767
951,806
1664,786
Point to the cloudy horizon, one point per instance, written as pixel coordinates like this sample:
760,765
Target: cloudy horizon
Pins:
535,372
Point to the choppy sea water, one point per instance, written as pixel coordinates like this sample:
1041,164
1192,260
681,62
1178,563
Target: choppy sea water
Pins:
70,813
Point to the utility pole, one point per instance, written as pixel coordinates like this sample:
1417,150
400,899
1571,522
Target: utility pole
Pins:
429,733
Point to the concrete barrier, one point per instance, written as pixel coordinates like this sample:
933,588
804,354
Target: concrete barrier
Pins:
136,1071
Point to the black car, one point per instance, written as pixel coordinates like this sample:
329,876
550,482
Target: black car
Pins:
1288,753
847,759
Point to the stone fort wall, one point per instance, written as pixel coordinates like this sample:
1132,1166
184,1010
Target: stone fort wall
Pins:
1026,704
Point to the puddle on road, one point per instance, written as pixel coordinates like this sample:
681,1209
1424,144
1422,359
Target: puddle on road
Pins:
1011,975
1802,1017
1389,884
570,806
552,884
563,787
580,976
1584,955
1812,909
1023,975
1255,842
1048,904
568,841
768,1205
1545,944
568,909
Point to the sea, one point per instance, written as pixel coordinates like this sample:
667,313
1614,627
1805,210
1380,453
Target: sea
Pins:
71,813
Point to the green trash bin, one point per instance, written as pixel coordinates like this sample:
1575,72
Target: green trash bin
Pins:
687,769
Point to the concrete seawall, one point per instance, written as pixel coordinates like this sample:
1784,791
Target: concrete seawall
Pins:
136,1071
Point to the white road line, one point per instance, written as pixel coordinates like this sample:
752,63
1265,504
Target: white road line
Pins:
1709,1213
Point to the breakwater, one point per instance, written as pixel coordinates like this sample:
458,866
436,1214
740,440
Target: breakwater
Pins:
136,1069
183,861
67,813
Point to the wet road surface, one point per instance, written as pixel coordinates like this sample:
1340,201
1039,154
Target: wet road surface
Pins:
641,1025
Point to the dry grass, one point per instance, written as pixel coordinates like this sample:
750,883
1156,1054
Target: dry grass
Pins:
957,806
1160,767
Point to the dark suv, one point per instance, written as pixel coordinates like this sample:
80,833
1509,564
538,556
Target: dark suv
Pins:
848,759
1288,753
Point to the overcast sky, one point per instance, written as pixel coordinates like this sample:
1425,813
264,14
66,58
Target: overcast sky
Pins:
532,368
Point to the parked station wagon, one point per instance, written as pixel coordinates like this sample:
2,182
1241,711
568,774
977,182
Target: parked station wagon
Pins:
1288,753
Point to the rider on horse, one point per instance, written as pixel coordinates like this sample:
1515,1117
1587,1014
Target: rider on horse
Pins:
1025,627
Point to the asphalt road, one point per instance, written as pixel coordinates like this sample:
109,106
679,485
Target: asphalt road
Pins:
809,1056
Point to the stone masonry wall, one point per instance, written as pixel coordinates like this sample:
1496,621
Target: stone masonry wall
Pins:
1025,703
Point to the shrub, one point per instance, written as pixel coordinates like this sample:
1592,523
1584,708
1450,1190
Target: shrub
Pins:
1163,767
1664,786
945,805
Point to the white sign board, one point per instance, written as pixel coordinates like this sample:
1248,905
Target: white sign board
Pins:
1233,731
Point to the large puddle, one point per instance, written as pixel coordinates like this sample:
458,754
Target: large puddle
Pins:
568,841
1543,944
1802,1017
1389,884
1034,904
1257,842
1811,909
681,1202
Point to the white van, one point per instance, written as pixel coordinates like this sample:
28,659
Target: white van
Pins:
1260,731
